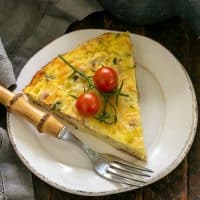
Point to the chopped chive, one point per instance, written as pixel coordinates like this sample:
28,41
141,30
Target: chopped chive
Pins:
56,106
114,61
49,77
119,93
75,77
73,96
90,84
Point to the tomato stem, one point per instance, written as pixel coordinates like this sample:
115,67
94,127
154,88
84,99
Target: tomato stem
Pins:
119,93
106,117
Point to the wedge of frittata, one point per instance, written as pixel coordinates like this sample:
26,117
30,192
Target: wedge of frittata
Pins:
116,120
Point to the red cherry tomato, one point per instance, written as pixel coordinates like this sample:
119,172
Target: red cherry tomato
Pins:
105,79
87,104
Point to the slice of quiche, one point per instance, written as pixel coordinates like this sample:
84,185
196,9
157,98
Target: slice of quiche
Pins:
57,85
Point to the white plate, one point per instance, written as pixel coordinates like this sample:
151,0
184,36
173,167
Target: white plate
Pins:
169,117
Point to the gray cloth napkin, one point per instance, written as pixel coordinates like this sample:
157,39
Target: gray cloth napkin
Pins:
15,179
25,27
7,77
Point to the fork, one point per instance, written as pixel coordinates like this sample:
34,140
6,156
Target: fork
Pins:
109,166
106,165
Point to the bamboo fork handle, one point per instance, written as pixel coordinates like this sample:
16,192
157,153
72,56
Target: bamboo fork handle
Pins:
16,103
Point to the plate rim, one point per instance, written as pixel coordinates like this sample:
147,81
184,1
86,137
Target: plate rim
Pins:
160,175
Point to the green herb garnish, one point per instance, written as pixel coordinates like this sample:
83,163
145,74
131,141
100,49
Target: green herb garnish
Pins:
75,77
73,96
108,118
49,77
75,71
109,113
118,93
114,61
56,106
131,67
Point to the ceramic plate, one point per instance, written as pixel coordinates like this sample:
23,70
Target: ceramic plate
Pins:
169,117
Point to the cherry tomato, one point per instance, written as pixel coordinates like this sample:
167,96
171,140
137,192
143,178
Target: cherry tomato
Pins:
105,79
87,104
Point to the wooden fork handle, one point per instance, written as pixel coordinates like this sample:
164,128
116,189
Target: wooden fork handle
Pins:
16,103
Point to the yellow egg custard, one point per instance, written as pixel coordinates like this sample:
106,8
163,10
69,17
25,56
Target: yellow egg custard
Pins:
58,85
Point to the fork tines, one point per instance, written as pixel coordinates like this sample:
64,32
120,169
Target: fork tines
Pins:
128,173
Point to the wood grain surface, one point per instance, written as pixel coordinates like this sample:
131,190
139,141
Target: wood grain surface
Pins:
184,182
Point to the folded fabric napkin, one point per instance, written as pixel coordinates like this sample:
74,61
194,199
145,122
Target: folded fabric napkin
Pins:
15,179
7,77
22,38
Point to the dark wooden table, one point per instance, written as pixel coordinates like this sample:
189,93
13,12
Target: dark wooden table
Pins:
184,181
